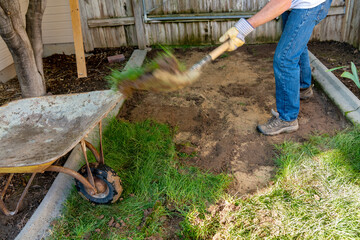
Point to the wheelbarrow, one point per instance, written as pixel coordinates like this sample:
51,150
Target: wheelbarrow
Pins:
36,132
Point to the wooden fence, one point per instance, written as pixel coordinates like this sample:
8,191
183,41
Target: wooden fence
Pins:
114,23
351,31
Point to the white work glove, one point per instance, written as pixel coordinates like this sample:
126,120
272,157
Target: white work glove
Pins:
237,34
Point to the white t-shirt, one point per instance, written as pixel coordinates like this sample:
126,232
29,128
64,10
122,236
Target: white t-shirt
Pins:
303,4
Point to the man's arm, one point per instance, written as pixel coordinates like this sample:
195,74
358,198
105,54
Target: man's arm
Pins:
271,10
243,27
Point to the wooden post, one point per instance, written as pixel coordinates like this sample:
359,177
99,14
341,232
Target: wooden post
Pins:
346,25
138,11
78,39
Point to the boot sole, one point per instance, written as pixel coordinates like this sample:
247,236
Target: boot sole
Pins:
283,130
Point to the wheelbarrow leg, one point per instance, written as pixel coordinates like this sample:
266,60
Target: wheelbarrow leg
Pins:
99,155
94,151
6,186
90,176
73,174
102,161
3,208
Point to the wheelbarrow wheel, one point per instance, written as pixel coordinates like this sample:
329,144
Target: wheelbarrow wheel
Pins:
107,182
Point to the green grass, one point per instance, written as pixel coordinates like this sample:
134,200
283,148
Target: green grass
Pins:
315,195
157,188
224,55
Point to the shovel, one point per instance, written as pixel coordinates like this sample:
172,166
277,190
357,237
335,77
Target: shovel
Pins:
168,76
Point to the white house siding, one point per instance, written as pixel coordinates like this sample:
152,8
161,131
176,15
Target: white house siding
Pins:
5,55
56,27
57,22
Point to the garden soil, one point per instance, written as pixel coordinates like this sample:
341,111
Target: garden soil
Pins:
215,118
341,54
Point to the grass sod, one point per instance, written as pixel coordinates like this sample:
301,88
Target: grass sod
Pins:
315,195
157,189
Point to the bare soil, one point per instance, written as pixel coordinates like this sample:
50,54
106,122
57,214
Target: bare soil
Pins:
10,226
215,117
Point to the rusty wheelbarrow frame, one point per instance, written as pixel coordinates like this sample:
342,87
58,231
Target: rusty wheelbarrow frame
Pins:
36,132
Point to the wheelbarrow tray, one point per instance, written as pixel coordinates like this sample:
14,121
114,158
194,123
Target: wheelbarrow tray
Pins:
35,132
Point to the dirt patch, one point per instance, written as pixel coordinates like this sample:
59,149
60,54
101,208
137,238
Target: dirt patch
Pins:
218,115
12,225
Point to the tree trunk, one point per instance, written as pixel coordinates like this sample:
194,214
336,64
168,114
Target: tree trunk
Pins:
34,17
13,32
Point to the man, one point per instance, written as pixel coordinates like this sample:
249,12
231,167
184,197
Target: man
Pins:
291,60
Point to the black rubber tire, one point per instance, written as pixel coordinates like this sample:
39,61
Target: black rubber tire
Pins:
109,177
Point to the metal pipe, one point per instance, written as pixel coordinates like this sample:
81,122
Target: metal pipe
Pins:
188,18
94,151
144,9
73,174
102,161
90,176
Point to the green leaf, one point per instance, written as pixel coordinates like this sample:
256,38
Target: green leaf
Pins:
352,77
355,73
336,68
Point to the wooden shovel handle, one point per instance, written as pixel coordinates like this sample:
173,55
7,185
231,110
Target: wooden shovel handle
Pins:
219,50
211,56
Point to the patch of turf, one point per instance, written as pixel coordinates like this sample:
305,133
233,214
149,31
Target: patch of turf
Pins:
157,188
315,195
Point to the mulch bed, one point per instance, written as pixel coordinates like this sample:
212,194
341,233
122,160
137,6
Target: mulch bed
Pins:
61,74
335,54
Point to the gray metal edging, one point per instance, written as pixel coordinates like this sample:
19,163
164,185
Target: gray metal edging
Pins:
348,103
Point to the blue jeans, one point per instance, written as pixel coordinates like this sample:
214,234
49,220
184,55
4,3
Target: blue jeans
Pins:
291,60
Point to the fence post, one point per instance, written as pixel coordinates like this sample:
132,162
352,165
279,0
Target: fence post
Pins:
78,39
138,11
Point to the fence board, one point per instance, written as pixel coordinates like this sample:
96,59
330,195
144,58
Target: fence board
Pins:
103,37
352,23
329,29
114,34
139,23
